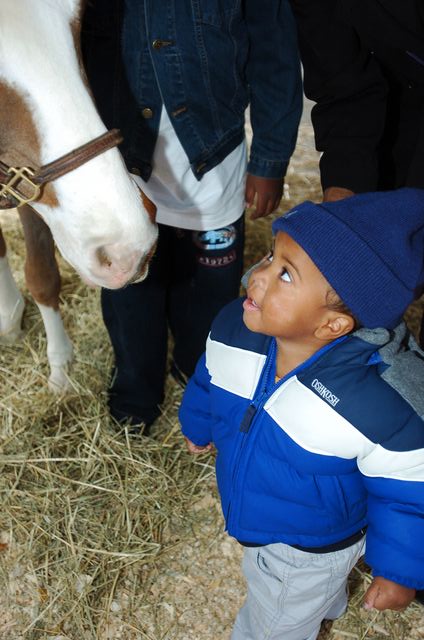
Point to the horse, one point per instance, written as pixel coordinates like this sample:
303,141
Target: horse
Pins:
63,172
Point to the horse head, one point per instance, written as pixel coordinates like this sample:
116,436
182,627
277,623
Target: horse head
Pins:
95,212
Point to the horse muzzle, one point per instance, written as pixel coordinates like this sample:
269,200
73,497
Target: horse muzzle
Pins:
114,266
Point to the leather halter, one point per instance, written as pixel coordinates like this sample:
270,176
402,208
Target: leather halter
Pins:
21,185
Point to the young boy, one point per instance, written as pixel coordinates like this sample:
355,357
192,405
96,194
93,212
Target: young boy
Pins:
318,432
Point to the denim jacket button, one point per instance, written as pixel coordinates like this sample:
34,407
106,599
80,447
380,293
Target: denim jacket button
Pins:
158,44
147,113
136,171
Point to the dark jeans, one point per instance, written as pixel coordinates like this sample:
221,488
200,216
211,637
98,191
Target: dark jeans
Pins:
191,277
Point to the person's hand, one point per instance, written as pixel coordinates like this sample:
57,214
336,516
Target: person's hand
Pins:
194,448
268,192
331,194
385,594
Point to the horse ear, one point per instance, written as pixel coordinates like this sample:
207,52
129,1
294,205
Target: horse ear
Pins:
149,206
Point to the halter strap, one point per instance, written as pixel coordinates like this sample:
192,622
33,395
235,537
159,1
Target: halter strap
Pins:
21,185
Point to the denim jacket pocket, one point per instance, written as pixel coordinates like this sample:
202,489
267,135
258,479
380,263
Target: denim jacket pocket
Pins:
215,12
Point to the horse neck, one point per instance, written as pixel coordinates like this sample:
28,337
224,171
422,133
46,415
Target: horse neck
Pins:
40,66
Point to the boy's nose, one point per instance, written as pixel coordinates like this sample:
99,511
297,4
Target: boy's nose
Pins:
258,279
247,276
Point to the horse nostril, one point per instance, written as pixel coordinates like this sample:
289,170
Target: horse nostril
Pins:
103,258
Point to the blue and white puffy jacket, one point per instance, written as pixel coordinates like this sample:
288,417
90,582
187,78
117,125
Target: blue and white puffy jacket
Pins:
330,448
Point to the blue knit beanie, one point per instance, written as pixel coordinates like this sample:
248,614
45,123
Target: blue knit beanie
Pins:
370,248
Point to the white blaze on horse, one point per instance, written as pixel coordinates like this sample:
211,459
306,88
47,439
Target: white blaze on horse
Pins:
86,198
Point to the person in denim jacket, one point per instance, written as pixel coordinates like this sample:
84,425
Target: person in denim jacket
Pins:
176,78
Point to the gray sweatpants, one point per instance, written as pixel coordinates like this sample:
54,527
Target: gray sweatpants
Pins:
290,592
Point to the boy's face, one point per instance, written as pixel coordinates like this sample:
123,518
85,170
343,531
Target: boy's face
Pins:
286,293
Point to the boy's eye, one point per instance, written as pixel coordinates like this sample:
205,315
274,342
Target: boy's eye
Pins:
285,275
270,256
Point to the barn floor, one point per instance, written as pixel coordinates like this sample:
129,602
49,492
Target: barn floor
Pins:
107,537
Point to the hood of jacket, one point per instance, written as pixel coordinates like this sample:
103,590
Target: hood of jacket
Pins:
402,362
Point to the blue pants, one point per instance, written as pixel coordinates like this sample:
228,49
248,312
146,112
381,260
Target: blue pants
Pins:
192,276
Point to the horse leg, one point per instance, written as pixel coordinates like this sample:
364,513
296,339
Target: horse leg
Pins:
43,281
11,301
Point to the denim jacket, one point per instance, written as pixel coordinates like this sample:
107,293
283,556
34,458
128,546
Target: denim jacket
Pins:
205,61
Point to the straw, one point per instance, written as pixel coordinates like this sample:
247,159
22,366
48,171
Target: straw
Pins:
105,535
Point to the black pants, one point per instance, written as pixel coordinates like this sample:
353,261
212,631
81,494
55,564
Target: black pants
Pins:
191,277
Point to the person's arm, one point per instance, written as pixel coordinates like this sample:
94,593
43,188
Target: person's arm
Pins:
344,80
275,92
194,414
393,475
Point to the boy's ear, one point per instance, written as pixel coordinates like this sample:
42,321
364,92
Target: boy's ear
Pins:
336,325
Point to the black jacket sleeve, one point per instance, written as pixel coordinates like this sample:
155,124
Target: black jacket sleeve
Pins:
346,82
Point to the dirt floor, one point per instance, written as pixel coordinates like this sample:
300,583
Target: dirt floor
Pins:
103,537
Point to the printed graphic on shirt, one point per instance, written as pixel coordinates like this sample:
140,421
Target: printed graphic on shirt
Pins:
212,243
216,239
216,261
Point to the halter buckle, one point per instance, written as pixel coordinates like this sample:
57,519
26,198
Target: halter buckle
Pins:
20,175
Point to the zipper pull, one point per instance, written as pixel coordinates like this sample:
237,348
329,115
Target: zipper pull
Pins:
247,418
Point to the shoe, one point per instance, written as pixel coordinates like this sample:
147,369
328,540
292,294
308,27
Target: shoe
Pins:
134,425
124,407
126,416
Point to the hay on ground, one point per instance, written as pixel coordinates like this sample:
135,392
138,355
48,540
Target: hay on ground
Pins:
103,535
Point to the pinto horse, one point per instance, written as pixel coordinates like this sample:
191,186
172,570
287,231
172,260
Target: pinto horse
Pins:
63,172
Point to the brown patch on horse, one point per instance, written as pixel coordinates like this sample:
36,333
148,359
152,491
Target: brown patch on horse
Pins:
19,139
41,270
149,206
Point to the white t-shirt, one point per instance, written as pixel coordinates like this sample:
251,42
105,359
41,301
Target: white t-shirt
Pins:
218,199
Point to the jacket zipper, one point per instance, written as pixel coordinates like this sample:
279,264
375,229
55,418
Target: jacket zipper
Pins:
258,403
249,416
